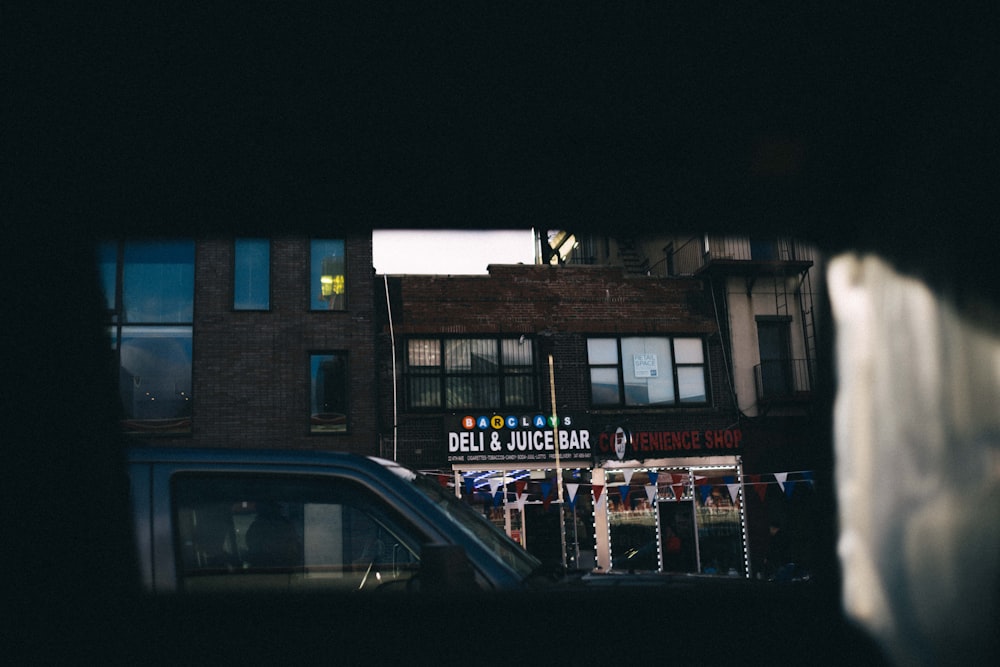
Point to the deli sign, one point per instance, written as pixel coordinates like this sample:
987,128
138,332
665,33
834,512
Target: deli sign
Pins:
516,438
622,444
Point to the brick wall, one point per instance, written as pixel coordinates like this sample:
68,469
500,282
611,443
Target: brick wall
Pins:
558,308
251,369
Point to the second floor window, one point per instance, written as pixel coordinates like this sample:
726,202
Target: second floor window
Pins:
327,268
149,294
468,373
647,371
251,274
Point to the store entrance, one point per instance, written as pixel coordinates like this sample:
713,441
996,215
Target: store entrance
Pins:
683,519
526,505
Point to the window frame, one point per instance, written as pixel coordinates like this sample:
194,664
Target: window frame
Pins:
339,298
619,368
121,327
440,374
236,268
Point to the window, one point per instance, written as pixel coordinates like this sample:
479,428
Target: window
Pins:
326,275
149,293
251,274
638,371
460,373
288,533
328,371
775,375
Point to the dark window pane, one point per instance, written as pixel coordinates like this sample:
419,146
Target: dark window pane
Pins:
425,392
519,391
329,393
472,392
158,282
252,274
155,378
327,275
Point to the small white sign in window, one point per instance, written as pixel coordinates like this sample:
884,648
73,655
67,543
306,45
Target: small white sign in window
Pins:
645,365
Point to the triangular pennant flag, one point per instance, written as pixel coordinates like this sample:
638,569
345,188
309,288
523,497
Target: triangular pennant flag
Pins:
678,491
705,491
546,490
470,485
519,487
623,490
807,476
780,478
651,493
498,498
443,480
653,476
734,491
628,472
495,483
761,490
597,489
789,487
521,500
571,490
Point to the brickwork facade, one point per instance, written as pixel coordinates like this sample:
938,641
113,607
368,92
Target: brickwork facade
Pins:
250,371
557,308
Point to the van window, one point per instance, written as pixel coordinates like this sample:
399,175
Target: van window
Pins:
288,532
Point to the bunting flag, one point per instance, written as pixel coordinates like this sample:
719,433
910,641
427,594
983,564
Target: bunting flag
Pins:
761,489
705,491
443,480
807,476
571,490
651,493
519,488
623,490
789,487
628,472
780,478
546,489
653,476
470,486
495,483
734,491
678,491
598,497
521,500
498,498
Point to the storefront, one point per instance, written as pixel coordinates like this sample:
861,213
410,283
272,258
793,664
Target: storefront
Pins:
531,475
642,501
670,501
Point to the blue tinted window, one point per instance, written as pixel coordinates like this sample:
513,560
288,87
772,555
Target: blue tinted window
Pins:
158,281
327,275
252,274
155,378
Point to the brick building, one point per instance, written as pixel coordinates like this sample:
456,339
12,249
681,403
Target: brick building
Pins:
263,343
631,360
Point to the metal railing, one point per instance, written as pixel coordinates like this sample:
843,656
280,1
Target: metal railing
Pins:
783,380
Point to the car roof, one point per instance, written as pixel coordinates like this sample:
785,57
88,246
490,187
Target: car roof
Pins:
144,454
